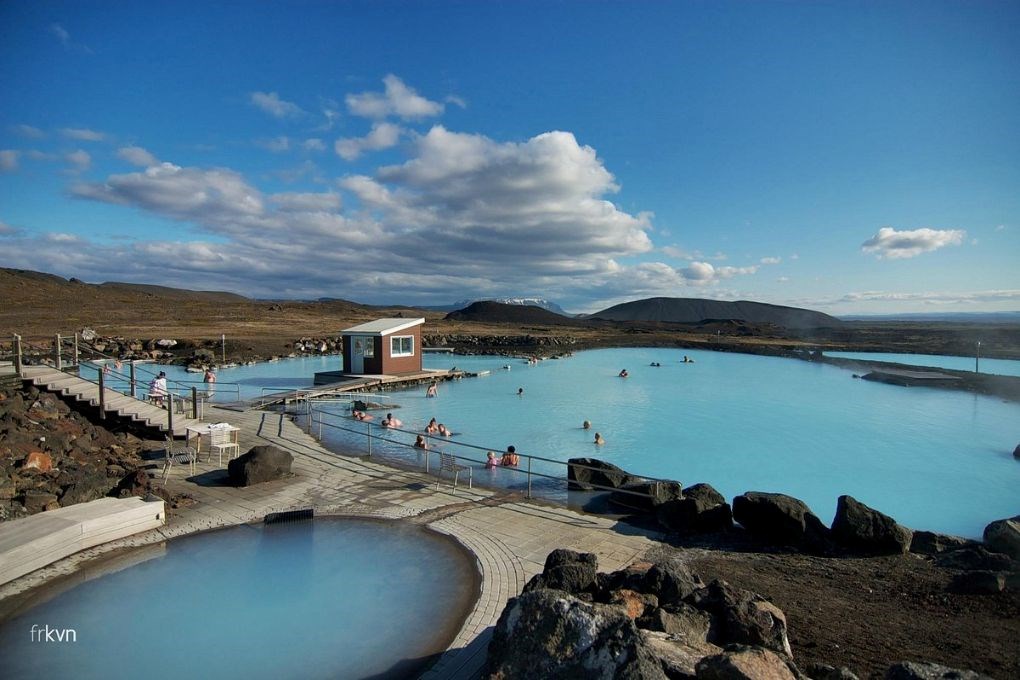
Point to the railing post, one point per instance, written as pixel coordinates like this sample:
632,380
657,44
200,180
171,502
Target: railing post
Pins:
18,365
320,423
170,412
427,452
529,476
56,354
369,426
194,402
102,396
134,390
76,348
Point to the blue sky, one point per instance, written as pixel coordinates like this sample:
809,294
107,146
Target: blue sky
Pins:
851,157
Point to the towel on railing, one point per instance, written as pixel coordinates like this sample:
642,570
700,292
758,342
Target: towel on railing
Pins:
219,426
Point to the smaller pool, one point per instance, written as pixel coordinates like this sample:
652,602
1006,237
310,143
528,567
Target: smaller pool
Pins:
327,598
955,363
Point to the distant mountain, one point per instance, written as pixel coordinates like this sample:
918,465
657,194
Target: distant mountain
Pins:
522,301
695,310
961,317
499,312
167,292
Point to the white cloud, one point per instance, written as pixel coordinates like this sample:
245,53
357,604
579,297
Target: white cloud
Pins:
136,155
681,254
62,35
382,136
6,229
934,298
1001,227
83,134
306,202
892,244
271,103
37,155
79,159
397,100
28,131
783,279
771,260
795,256
313,144
276,144
464,212
456,101
9,160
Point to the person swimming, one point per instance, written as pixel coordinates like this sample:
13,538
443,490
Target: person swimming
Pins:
599,440
520,391
586,425
490,460
442,429
510,458
432,427
420,442
390,421
624,373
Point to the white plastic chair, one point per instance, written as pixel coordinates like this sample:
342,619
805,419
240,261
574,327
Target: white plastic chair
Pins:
449,463
221,440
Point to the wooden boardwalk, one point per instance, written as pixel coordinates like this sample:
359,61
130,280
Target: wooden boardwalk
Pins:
355,383
121,405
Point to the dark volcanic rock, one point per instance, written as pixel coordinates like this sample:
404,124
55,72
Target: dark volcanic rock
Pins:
38,501
566,570
781,520
931,543
975,558
868,531
977,583
741,662
820,671
603,475
551,635
909,670
260,464
1003,536
701,510
742,617
646,496
681,620
671,581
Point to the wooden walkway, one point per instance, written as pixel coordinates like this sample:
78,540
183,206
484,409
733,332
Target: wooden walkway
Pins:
121,405
355,383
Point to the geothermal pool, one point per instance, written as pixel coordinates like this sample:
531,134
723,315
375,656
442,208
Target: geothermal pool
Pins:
323,598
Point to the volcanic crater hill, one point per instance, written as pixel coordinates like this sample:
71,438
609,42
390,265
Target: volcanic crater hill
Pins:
497,312
696,310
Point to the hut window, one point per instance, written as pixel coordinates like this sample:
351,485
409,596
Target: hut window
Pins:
369,348
402,346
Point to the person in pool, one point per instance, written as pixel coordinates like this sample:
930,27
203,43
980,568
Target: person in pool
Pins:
420,443
624,373
442,429
510,458
490,460
390,421
599,440
432,427
586,425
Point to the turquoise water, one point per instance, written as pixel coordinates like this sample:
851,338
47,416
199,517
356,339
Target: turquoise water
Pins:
329,598
990,366
232,384
933,459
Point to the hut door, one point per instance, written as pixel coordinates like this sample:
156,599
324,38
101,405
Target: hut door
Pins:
358,356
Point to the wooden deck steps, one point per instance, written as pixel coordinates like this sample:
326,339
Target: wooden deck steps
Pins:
30,543
115,403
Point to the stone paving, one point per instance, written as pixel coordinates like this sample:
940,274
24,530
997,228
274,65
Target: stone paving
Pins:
508,535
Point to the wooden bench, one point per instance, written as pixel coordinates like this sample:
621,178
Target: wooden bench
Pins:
448,462
32,542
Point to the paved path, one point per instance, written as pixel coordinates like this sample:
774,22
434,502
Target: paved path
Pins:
509,536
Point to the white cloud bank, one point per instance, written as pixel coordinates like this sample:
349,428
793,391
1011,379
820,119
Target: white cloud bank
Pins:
83,134
397,100
136,155
895,245
382,136
270,102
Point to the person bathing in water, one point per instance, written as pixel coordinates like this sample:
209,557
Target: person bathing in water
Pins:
599,440
432,427
390,421
624,373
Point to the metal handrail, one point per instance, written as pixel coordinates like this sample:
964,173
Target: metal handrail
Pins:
310,412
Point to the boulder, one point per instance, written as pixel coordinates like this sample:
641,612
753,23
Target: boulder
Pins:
596,474
135,483
679,657
671,581
1016,452
931,543
975,558
781,520
549,634
37,460
1003,536
742,617
38,501
742,662
89,485
821,671
868,531
634,604
260,464
568,571
646,496
701,510
977,583
680,621
910,670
